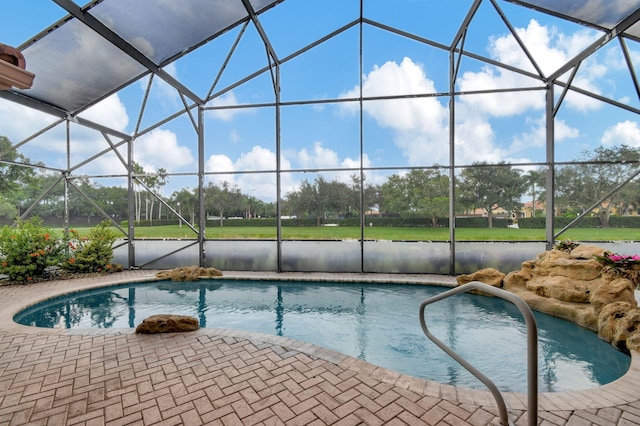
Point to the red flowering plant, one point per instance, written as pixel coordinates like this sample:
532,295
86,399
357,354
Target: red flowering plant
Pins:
28,249
627,266
92,252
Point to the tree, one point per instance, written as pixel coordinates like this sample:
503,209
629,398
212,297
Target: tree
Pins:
223,200
371,196
423,193
186,203
150,181
33,188
15,172
259,208
161,181
305,200
116,201
12,173
79,205
336,197
536,184
599,172
154,183
630,195
137,170
489,187
319,199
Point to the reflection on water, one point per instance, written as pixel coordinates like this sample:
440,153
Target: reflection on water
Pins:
376,323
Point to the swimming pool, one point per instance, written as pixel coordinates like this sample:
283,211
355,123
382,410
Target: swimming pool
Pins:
374,322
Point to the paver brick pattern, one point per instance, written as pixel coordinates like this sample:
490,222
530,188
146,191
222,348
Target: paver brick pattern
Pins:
195,378
226,377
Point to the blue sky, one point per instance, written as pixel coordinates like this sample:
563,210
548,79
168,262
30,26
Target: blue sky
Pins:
397,133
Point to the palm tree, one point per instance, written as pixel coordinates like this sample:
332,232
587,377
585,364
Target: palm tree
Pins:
161,181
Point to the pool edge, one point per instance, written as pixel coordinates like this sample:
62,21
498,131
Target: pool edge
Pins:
619,392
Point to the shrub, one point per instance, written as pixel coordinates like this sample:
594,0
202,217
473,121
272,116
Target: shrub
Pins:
565,245
27,249
91,253
627,266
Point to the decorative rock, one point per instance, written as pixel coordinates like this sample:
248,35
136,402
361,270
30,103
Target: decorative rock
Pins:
188,273
563,288
633,342
618,290
579,313
518,278
609,317
628,328
586,252
574,286
619,323
561,263
489,276
164,323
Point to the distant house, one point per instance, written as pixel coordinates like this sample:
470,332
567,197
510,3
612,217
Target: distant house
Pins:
498,212
527,211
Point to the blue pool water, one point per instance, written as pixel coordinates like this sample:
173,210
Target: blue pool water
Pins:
376,323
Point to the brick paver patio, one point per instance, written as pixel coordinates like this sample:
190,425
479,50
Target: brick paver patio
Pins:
229,377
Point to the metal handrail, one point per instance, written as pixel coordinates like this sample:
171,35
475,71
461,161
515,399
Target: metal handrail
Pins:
532,347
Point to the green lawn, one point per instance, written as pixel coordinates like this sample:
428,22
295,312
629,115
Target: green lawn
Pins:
386,233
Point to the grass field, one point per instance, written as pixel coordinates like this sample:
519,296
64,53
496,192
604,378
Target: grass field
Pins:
386,233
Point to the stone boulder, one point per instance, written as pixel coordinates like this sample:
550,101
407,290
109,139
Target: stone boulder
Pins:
573,285
633,342
618,290
489,276
579,264
188,273
619,323
167,323
563,288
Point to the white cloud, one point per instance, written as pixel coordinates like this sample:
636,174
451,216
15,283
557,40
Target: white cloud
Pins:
420,124
164,89
160,148
550,49
537,134
162,93
220,163
501,104
108,164
228,99
354,163
234,136
538,40
623,133
563,131
263,185
18,122
326,158
390,78
109,112
258,158
318,158
260,185
474,141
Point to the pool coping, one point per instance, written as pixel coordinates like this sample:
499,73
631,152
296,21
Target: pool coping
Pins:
619,392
